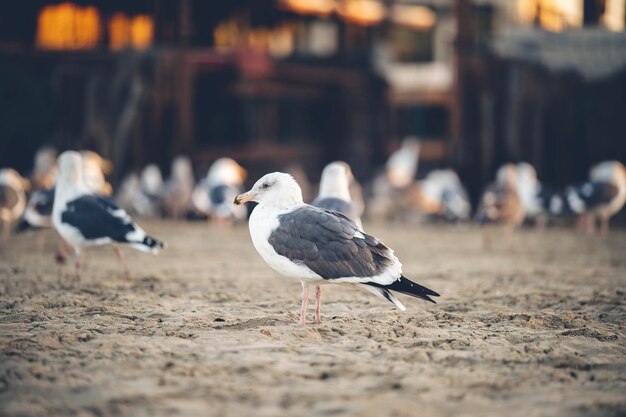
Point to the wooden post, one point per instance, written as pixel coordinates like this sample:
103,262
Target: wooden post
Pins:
184,22
462,11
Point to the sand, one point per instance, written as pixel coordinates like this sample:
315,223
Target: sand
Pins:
533,328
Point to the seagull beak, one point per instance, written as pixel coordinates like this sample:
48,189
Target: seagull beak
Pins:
243,198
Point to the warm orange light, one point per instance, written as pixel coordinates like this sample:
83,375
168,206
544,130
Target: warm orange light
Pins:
362,12
312,7
119,31
68,26
553,15
124,32
613,18
415,17
142,31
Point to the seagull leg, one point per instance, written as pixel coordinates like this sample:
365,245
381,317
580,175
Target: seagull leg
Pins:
41,239
604,227
60,255
5,231
77,257
305,302
122,258
487,239
591,224
318,304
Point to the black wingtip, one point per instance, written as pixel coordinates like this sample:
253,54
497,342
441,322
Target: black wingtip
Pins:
154,243
408,287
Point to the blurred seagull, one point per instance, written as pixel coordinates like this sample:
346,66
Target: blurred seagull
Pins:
13,189
176,198
38,212
602,196
534,196
441,193
318,246
500,203
95,168
85,219
402,164
389,189
213,196
334,193
44,169
142,195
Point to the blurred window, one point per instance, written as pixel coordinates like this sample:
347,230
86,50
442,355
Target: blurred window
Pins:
553,15
68,26
125,32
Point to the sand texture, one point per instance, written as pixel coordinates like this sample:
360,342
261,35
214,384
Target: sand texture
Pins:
207,329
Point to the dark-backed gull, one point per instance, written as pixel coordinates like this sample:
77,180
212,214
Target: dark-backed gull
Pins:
214,195
602,196
85,219
500,204
334,193
318,246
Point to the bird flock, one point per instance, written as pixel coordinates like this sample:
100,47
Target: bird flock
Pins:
319,243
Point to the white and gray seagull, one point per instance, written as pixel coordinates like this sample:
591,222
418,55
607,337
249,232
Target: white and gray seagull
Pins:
334,194
86,219
318,246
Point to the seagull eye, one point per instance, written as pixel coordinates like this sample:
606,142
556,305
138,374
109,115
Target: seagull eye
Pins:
265,186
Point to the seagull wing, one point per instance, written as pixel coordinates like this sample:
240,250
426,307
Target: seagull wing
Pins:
330,245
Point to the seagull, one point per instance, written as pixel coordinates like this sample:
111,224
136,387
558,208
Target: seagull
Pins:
534,196
176,198
38,212
389,189
86,219
441,193
501,203
142,194
13,189
95,168
334,194
213,196
44,169
38,216
318,246
602,196
402,164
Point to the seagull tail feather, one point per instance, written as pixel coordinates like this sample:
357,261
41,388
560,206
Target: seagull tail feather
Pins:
408,287
384,293
149,244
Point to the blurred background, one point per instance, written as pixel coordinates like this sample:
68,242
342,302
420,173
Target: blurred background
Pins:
273,83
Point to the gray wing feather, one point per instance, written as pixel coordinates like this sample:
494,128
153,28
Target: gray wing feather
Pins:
329,244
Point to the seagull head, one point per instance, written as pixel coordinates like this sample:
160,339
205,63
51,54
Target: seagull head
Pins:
151,179
609,171
12,178
70,168
507,175
226,171
182,170
93,161
335,181
277,189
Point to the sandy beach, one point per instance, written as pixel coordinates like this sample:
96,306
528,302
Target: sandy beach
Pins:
534,328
